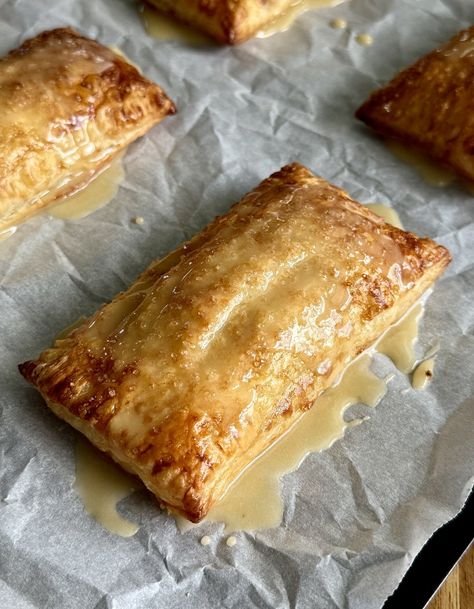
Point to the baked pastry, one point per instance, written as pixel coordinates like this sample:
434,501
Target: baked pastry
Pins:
218,348
228,21
69,105
430,105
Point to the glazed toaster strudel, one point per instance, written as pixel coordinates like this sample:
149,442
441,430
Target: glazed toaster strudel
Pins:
430,105
68,106
218,348
228,21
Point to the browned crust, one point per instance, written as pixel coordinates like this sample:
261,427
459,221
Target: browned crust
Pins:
122,75
227,21
111,107
430,105
216,19
188,458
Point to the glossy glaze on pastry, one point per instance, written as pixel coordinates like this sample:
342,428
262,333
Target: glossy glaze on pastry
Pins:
217,349
430,105
69,105
228,21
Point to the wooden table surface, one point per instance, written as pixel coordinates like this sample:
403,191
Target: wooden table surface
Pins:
457,592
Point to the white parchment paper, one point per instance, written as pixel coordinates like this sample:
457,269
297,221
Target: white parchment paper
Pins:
357,514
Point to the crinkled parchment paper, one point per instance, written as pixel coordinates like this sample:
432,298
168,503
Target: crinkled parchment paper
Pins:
355,515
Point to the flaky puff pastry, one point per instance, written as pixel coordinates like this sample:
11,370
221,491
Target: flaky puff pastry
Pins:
218,348
68,106
228,21
430,105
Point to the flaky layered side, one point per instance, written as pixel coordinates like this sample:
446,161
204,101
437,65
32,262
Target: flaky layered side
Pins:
430,105
69,105
228,21
218,348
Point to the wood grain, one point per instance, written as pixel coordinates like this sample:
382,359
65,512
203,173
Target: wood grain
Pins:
457,592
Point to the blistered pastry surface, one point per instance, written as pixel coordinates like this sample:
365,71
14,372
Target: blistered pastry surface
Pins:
229,21
430,105
69,105
215,350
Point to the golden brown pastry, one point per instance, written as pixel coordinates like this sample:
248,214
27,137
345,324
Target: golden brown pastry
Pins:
218,348
228,21
68,106
430,105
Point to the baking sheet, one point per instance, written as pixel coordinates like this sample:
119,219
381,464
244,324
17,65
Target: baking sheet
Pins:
355,515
